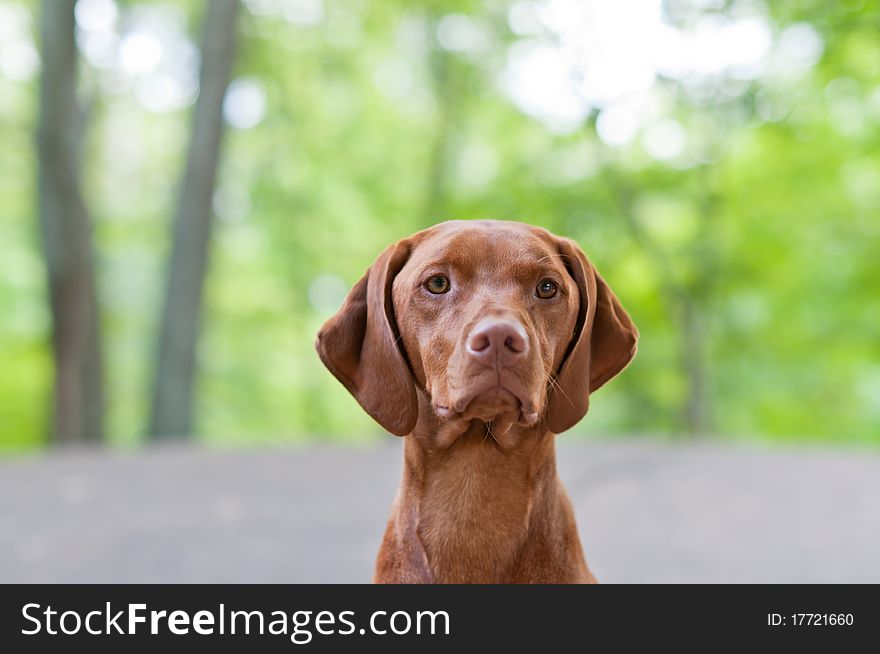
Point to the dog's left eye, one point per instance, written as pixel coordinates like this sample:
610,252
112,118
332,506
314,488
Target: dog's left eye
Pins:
546,289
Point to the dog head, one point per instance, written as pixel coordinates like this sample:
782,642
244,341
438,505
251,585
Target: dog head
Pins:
491,321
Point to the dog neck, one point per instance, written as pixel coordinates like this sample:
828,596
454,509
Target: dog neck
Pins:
470,500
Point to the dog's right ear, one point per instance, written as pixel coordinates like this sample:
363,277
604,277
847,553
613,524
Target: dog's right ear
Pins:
359,345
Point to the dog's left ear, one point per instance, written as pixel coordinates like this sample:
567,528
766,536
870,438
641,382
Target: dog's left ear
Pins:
360,346
604,342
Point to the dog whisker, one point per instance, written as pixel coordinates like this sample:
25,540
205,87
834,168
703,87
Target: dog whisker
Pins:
555,384
550,256
489,432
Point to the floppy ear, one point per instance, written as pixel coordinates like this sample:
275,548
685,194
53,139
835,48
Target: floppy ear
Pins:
604,342
359,345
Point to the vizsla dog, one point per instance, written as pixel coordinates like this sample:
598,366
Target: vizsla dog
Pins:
479,341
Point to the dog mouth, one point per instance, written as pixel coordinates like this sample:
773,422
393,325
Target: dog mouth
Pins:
490,403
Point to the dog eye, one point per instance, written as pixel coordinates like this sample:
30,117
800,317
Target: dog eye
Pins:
438,284
546,289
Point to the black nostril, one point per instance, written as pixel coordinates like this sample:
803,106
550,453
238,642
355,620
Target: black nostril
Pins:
513,343
480,342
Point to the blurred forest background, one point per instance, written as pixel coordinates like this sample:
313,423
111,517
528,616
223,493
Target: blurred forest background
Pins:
188,189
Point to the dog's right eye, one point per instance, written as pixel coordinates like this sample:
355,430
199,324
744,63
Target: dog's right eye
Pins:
438,284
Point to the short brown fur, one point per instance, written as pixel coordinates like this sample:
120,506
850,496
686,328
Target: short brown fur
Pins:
479,379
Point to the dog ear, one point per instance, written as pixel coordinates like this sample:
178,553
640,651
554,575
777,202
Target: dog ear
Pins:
359,345
604,342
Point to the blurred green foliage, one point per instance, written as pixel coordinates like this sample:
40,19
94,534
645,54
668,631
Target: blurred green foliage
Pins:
750,264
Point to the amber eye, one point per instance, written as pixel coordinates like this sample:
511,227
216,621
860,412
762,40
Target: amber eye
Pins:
546,289
438,284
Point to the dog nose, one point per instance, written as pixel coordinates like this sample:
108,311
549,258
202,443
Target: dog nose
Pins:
498,341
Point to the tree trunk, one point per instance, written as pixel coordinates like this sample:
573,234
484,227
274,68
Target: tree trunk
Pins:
694,412
445,101
173,384
78,402
438,164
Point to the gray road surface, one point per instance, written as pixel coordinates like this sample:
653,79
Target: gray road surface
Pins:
647,511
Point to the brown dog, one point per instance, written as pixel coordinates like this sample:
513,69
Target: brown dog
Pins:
478,341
